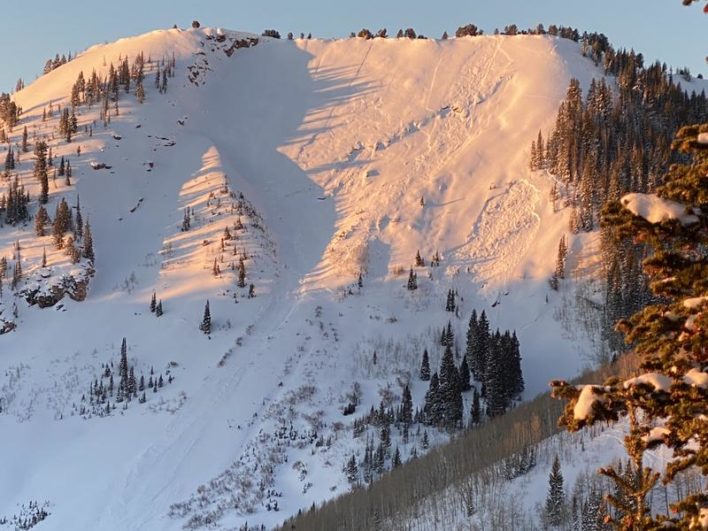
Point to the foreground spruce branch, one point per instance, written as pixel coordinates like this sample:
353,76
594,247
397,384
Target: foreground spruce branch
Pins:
667,402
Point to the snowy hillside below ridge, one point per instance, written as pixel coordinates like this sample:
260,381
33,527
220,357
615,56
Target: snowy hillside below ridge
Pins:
336,158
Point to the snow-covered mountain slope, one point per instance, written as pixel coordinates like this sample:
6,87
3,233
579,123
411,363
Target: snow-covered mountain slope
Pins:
338,158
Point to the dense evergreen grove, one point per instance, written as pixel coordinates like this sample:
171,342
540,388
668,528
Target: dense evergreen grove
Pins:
58,61
499,376
613,141
666,403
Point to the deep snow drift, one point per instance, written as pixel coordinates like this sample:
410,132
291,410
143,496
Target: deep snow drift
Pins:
339,158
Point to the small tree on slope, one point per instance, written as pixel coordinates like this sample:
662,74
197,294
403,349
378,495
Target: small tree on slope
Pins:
205,325
666,403
555,501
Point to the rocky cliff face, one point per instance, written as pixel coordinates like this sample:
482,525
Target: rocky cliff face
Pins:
52,290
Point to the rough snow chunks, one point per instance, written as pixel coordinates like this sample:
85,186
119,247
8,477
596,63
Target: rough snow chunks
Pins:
117,137
100,166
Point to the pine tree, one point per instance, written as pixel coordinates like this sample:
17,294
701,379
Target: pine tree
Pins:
123,369
9,160
241,274
555,501
205,325
61,223
396,462
153,302
464,372
425,367
412,281
419,262
158,309
40,171
470,341
88,243
131,387
449,391
140,92
352,470
494,388
476,410
40,220
449,336
432,409
25,146
480,348
450,304
425,443
559,272
79,225
406,416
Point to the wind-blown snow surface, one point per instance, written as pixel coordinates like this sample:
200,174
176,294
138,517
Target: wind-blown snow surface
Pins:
332,144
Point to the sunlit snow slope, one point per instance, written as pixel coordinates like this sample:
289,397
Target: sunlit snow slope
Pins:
350,155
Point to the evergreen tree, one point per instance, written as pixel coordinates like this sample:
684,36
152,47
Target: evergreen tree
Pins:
494,388
555,500
419,262
40,171
476,411
61,223
425,367
40,220
448,338
450,304
88,243
352,470
25,146
140,92
9,160
158,309
205,325
479,347
241,274
470,340
464,375
123,369
406,416
79,225
153,302
450,396
396,462
432,409
559,272
412,281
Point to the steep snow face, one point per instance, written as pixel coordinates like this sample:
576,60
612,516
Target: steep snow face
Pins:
324,159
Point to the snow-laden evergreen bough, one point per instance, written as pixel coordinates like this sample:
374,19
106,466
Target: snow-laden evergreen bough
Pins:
667,403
